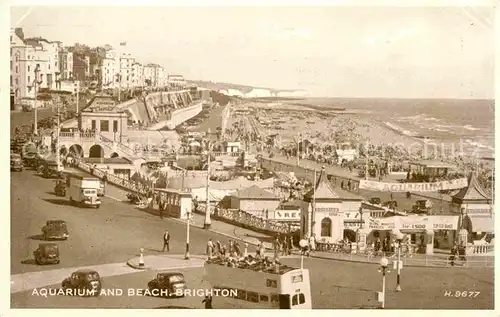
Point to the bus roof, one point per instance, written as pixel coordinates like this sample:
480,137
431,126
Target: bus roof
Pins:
251,279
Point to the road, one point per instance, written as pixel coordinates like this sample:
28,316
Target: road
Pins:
114,233
338,285
19,118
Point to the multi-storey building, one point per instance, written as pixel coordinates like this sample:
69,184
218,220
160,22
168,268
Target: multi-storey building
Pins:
66,64
30,58
125,70
80,66
176,81
154,74
137,74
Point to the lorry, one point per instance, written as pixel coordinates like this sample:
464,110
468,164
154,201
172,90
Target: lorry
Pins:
83,189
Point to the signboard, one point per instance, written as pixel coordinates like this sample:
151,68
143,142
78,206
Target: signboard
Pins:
480,211
287,215
444,222
382,223
414,223
413,187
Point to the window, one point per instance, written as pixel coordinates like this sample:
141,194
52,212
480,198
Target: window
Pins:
115,125
241,294
11,66
94,125
11,80
326,227
17,69
17,81
302,298
264,298
104,125
28,67
274,298
295,300
29,79
252,297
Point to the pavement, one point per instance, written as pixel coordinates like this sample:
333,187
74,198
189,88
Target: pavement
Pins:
166,262
113,233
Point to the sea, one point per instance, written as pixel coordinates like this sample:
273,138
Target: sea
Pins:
467,124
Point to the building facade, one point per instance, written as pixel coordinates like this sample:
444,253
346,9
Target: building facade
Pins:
34,65
66,64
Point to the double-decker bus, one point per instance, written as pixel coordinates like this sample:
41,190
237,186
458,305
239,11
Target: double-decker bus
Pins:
277,286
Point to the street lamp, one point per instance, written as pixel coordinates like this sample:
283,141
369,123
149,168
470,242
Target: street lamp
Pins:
186,255
36,84
383,268
359,229
208,222
399,239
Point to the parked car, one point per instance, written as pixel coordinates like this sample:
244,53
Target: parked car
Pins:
16,162
55,230
47,253
172,283
392,204
60,188
83,282
375,201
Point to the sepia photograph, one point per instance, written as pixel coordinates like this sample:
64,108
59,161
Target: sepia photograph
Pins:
252,157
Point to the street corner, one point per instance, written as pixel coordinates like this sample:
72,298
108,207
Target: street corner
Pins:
166,262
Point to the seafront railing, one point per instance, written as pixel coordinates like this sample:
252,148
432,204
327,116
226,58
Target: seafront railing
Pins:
232,216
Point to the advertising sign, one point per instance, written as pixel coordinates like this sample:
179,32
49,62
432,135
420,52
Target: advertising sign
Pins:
285,215
414,223
444,222
413,187
382,223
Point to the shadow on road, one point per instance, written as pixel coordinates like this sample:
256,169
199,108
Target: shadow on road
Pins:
173,307
29,262
62,202
153,250
38,237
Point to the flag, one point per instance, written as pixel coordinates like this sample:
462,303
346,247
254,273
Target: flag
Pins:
123,43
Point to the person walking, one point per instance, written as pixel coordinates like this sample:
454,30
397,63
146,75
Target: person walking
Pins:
312,243
161,206
207,301
210,248
285,247
166,241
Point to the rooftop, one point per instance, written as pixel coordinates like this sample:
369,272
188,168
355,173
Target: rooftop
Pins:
254,192
324,190
473,192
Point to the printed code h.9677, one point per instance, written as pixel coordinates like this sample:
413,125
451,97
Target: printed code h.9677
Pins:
462,294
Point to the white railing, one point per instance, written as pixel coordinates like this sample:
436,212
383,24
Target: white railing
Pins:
486,249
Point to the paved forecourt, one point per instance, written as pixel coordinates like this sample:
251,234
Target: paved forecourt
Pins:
333,285
113,233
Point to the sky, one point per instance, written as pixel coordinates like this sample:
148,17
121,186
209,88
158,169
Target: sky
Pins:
362,52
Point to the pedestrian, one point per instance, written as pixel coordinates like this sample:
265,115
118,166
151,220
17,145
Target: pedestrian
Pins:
166,241
378,244
342,184
454,253
349,185
312,242
210,248
208,302
161,206
290,248
276,247
285,247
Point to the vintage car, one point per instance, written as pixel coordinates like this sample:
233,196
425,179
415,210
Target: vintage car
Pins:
422,206
84,282
375,201
47,253
16,162
171,282
60,188
55,230
391,204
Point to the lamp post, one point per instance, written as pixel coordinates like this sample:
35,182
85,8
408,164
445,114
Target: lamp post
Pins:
399,239
36,84
186,255
208,222
383,268
359,229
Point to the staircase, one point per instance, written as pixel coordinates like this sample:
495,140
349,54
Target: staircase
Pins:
121,149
